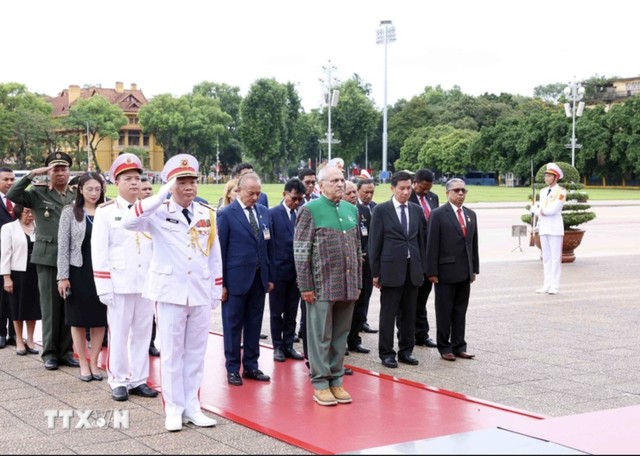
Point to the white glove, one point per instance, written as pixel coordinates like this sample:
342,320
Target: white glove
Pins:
165,190
106,299
535,210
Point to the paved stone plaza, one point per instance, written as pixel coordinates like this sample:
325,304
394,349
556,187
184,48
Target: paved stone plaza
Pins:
575,352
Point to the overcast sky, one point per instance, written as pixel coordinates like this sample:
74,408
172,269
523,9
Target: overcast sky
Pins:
167,47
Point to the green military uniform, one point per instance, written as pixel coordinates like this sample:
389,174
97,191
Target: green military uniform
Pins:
46,204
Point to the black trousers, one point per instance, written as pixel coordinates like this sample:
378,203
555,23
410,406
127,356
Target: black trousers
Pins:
400,303
283,310
6,323
452,300
422,323
361,306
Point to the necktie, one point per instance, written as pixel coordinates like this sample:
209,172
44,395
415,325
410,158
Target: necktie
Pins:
185,212
425,207
9,205
253,222
293,218
403,218
461,221
548,192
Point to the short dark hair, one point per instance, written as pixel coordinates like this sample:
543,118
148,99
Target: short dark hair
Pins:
304,172
400,176
423,175
144,178
4,169
362,182
18,209
241,167
295,184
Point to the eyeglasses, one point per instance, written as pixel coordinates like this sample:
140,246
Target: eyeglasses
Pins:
309,182
295,198
458,190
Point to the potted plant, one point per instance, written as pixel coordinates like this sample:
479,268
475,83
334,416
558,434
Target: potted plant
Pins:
575,211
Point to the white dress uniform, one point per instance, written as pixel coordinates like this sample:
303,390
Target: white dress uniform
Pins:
551,230
120,263
185,278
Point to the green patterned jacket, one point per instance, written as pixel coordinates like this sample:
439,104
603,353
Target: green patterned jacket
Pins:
327,250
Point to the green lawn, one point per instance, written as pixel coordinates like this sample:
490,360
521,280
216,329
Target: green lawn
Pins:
477,193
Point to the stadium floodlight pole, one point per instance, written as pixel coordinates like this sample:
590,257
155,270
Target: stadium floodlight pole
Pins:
574,93
385,34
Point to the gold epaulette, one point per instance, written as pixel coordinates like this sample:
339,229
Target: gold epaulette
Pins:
107,203
211,208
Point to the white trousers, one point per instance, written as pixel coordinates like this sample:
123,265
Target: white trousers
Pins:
551,260
184,334
130,318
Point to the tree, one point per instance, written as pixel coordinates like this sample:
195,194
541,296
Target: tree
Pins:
353,120
229,99
264,121
25,125
165,117
442,148
101,118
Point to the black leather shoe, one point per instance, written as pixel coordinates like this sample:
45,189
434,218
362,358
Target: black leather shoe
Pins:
359,349
153,351
3,341
368,329
32,351
120,394
348,371
408,359
11,341
234,379
390,362
51,364
263,336
143,390
293,354
70,361
22,352
296,339
278,355
256,374
426,343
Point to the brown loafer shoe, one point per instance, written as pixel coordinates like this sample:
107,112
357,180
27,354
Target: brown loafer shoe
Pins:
465,355
448,356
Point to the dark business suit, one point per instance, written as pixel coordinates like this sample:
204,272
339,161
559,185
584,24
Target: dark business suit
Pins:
453,258
6,323
398,276
246,274
284,298
422,322
362,303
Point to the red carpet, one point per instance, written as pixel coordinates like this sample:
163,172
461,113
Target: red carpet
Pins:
385,410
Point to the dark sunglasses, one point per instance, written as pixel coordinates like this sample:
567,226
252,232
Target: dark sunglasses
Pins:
458,190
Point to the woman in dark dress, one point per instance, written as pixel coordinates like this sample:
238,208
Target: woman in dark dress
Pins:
83,309
20,276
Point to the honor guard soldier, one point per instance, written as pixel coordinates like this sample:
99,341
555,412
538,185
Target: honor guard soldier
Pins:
46,202
185,279
550,227
120,264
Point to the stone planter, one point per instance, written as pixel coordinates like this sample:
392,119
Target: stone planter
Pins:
571,240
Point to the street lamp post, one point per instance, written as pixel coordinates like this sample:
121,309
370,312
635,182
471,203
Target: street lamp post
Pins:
385,34
574,93
332,101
